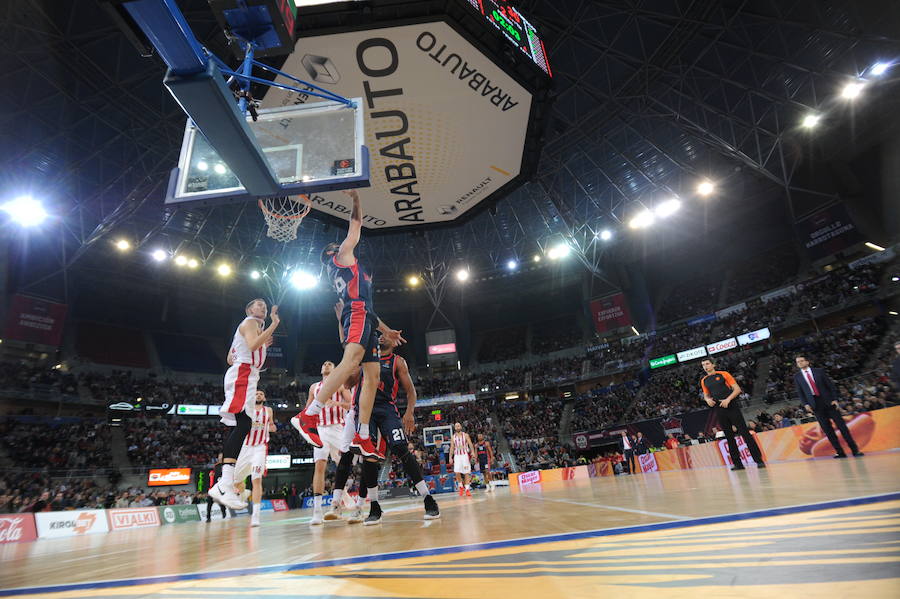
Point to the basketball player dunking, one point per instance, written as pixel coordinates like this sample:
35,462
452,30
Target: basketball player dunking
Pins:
331,428
246,357
252,459
485,458
462,449
361,327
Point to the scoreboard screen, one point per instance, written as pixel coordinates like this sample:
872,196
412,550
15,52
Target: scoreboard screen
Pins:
516,28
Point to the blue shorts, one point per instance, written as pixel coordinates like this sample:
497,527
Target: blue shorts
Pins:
361,327
386,425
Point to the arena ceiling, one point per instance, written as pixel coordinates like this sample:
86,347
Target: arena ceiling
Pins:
651,97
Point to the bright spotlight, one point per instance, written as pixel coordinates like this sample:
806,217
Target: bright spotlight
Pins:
219,168
303,280
667,208
202,166
706,188
537,258
810,121
224,270
192,263
874,246
642,219
512,265
462,274
558,251
26,211
181,260
254,274
852,90
158,255
123,245
880,68
413,280
606,235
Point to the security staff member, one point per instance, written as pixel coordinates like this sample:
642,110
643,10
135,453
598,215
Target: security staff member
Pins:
720,391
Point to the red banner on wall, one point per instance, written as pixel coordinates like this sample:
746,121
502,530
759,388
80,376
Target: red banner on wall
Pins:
610,313
17,527
34,320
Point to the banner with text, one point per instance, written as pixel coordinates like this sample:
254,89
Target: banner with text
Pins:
720,346
610,313
70,524
34,320
137,517
827,232
17,527
176,514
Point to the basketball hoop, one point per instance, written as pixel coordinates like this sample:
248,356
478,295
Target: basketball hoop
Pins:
283,215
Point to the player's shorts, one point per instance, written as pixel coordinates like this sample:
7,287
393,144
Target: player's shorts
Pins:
361,327
461,464
332,437
386,426
251,461
240,392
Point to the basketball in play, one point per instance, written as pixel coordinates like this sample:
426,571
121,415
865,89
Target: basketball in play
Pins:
449,299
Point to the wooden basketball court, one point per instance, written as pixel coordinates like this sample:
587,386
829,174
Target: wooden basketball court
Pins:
829,528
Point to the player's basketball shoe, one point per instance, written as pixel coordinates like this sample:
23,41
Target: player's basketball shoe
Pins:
431,508
254,520
462,491
335,513
365,447
356,516
374,516
229,499
468,493
307,425
317,518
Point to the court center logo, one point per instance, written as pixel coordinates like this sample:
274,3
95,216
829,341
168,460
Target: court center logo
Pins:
320,69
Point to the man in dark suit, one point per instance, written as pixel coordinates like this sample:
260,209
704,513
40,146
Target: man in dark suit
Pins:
626,444
819,394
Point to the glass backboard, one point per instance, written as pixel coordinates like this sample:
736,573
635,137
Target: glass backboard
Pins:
309,148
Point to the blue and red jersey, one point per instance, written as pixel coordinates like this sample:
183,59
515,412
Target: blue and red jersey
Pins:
353,285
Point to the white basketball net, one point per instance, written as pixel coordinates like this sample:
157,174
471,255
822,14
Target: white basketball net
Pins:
283,215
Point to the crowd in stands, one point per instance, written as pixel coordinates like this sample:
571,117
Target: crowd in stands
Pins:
601,407
691,297
554,335
763,272
839,287
71,446
24,376
502,344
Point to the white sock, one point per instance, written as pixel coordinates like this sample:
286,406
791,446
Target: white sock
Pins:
468,488
314,408
336,497
373,493
256,510
364,430
422,488
227,480
317,503
360,502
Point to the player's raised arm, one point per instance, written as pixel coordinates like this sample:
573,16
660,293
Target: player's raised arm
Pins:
345,253
409,420
272,427
256,338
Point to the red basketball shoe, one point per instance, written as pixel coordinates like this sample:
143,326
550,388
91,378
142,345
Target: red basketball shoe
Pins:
365,447
307,425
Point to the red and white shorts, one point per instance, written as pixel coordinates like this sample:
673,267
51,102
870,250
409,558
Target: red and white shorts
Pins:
240,392
251,461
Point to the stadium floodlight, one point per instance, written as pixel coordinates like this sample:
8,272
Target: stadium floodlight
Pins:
706,188
874,246
158,255
192,263
254,274
537,258
413,280
606,235
223,269
667,208
219,168
202,166
512,265
303,280
810,121
462,275
123,245
852,90
26,211
558,251
879,68
181,260
641,220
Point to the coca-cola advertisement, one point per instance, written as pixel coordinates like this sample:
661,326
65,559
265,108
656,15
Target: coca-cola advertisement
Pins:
17,527
610,313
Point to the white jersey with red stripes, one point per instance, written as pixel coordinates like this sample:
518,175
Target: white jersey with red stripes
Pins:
259,432
461,447
333,414
240,351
